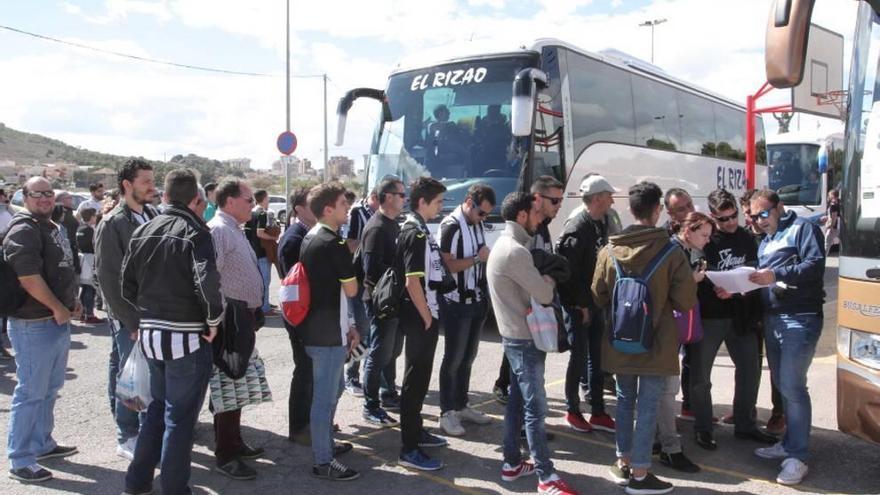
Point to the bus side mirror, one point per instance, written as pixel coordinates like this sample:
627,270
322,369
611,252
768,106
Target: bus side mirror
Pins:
347,101
522,108
823,158
788,31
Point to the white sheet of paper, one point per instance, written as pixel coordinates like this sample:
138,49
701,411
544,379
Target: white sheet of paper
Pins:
735,281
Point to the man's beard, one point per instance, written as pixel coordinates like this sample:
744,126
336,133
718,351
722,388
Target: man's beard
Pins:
140,199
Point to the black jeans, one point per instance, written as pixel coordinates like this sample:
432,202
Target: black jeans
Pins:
685,377
87,299
299,403
585,358
419,361
386,344
743,349
227,436
462,324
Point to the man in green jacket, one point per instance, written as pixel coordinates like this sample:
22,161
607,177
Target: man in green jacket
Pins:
640,377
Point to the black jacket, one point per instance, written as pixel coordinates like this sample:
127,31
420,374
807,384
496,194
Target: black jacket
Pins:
169,274
580,242
726,252
111,244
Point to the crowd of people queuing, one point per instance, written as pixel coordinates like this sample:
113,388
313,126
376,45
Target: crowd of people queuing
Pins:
174,279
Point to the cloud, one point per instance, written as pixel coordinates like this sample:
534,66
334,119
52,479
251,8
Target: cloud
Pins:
114,105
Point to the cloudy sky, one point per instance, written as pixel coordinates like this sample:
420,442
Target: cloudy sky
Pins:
123,106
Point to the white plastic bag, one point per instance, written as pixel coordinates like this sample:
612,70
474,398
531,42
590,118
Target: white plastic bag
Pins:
543,326
133,384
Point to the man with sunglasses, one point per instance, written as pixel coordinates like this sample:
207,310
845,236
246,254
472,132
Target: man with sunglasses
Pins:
547,192
731,319
41,256
464,310
791,265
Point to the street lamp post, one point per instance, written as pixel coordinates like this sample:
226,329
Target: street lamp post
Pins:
652,24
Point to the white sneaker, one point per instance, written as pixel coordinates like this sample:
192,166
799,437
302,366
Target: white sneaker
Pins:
792,473
474,416
450,424
126,449
773,452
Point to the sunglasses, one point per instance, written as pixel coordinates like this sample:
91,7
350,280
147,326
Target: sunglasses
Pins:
40,194
764,214
250,200
725,219
483,214
553,201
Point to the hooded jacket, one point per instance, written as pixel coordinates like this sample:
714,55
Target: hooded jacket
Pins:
796,254
671,287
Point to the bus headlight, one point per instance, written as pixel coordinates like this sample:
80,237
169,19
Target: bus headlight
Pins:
843,338
865,349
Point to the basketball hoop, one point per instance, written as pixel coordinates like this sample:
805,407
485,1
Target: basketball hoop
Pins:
837,98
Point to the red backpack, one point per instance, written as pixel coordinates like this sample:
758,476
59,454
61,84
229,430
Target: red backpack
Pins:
295,295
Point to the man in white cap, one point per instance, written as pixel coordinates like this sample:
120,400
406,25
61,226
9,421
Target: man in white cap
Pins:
583,236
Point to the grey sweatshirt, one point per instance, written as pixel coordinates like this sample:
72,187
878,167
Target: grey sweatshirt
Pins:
513,278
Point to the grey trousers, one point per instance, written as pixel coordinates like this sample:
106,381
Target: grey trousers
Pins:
667,434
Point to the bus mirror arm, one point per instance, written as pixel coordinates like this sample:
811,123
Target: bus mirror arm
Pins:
526,84
346,102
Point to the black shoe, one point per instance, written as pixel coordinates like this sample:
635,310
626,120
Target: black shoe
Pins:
58,451
31,474
756,435
679,462
656,449
501,394
706,440
237,470
335,471
4,354
148,491
391,402
647,485
248,452
340,448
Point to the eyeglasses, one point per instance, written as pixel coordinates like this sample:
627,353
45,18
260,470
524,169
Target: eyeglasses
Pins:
402,195
727,218
553,201
764,214
250,200
484,214
40,194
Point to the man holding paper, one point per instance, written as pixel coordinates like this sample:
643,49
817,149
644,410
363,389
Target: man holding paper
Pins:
792,259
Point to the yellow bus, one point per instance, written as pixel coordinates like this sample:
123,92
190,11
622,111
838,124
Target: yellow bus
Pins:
858,331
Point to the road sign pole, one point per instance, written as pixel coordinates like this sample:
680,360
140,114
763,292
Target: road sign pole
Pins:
287,86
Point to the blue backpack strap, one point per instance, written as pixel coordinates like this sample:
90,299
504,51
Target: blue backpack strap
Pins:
620,272
657,261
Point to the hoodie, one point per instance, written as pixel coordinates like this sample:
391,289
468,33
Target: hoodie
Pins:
671,287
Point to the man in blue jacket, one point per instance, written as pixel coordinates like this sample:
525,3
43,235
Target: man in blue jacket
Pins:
791,263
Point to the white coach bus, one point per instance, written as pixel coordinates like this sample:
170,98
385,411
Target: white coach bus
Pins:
797,171
506,117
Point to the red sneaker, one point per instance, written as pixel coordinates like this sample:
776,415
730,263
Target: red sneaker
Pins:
556,487
727,419
602,422
513,473
688,415
776,424
577,422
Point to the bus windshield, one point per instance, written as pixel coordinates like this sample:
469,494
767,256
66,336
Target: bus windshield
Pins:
861,188
451,122
794,173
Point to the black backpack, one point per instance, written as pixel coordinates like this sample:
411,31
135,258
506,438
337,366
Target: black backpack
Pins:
14,294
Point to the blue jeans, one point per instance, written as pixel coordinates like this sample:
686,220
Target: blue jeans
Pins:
41,349
266,271
636,443
87,299
791,344
327,363
386,344
527,403
462,324
357,307
178,388
127,423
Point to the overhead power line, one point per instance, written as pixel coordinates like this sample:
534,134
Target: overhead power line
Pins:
147,59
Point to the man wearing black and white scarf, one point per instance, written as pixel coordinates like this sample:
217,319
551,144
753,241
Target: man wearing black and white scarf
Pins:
463,248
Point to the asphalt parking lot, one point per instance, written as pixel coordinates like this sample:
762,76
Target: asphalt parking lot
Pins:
839,464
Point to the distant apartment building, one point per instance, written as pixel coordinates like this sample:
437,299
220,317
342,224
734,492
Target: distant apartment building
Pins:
238,163
298,167
340,166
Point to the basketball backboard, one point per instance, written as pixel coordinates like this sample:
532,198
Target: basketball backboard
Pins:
823,75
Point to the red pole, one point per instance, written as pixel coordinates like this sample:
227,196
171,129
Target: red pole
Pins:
750,140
